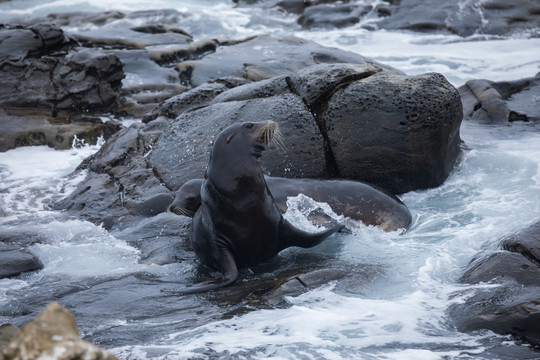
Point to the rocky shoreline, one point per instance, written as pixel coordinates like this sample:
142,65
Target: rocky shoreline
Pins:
68,86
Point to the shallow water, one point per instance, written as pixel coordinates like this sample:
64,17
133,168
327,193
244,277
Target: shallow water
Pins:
395,306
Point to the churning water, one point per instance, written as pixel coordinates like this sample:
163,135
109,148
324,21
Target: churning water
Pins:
401,310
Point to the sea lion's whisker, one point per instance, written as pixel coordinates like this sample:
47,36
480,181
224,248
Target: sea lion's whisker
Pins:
278,141
186,212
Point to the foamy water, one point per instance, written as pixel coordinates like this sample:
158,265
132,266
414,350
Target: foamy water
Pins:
400,313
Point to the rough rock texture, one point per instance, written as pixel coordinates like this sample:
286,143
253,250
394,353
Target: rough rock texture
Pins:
501,102
24,127
197,97
83,79
406,128
122,184
514,306
45,94
52,335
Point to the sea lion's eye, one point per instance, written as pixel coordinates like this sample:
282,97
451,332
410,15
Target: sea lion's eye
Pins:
248,125
229,139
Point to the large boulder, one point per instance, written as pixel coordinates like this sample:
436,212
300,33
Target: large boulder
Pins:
328,114
399,132
513,307
52,334
501,102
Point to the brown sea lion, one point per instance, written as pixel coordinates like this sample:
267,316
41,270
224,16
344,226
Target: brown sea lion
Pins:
238,223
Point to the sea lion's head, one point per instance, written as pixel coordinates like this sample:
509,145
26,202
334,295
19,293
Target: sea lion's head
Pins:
187,198
240,136
236,153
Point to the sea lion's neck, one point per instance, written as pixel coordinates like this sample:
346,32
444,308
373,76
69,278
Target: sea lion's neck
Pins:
230,174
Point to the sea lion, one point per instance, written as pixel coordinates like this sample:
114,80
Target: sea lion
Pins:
354,199
238,223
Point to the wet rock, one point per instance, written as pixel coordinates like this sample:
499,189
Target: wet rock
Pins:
501,102
324,15
513,307
130,39
82,80
26,127
15,260
122,186
464,18
263,57
83,17
197,97
497,17
47,90
52,335
301,284
410,122
162,239
182,152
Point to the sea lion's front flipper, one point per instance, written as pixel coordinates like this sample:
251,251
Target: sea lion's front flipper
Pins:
230,274
292,236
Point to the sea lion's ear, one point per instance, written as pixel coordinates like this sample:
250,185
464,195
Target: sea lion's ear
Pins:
229,138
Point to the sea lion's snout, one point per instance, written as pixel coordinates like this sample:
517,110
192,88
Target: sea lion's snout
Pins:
267,132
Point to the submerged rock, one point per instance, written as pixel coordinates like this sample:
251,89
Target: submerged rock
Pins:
501,102
15,260
52,335
513,307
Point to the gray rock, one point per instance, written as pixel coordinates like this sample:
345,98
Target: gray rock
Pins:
31,127
15,260
197,97
501,102
263,57
514,306
182,152
121,187
341,15
398,132
464,18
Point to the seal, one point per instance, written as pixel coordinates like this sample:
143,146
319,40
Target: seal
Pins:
238,224
354,199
